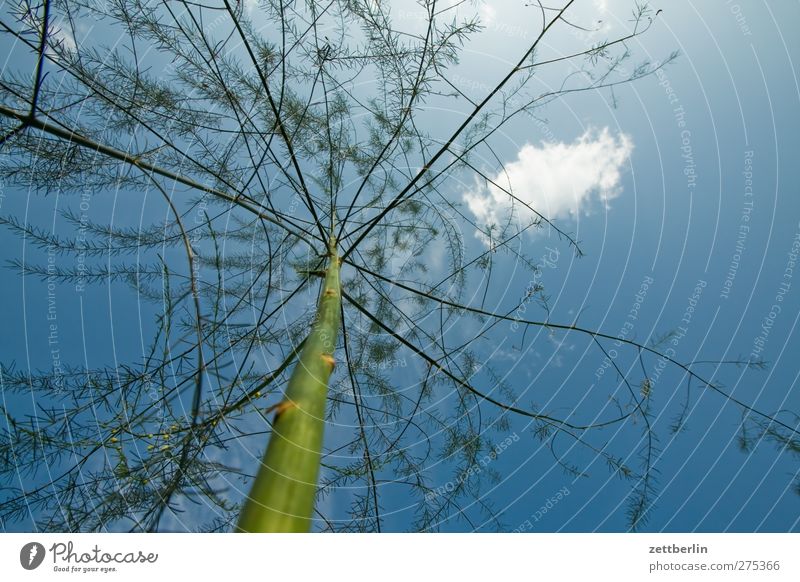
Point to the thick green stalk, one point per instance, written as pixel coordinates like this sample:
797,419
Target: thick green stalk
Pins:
282,496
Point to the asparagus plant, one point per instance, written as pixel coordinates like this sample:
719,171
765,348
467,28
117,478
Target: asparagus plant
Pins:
282,496
233,117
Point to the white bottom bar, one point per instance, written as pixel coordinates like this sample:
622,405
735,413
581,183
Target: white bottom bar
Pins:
355,557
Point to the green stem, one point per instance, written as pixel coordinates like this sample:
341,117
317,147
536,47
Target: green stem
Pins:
282,496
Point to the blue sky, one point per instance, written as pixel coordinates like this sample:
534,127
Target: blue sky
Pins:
735,90
682,189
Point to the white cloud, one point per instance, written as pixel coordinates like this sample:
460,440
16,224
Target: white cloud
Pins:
558,180
488,13
601,5
66,39
60,34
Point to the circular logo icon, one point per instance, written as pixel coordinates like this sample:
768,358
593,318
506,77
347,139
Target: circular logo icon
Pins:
31,555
